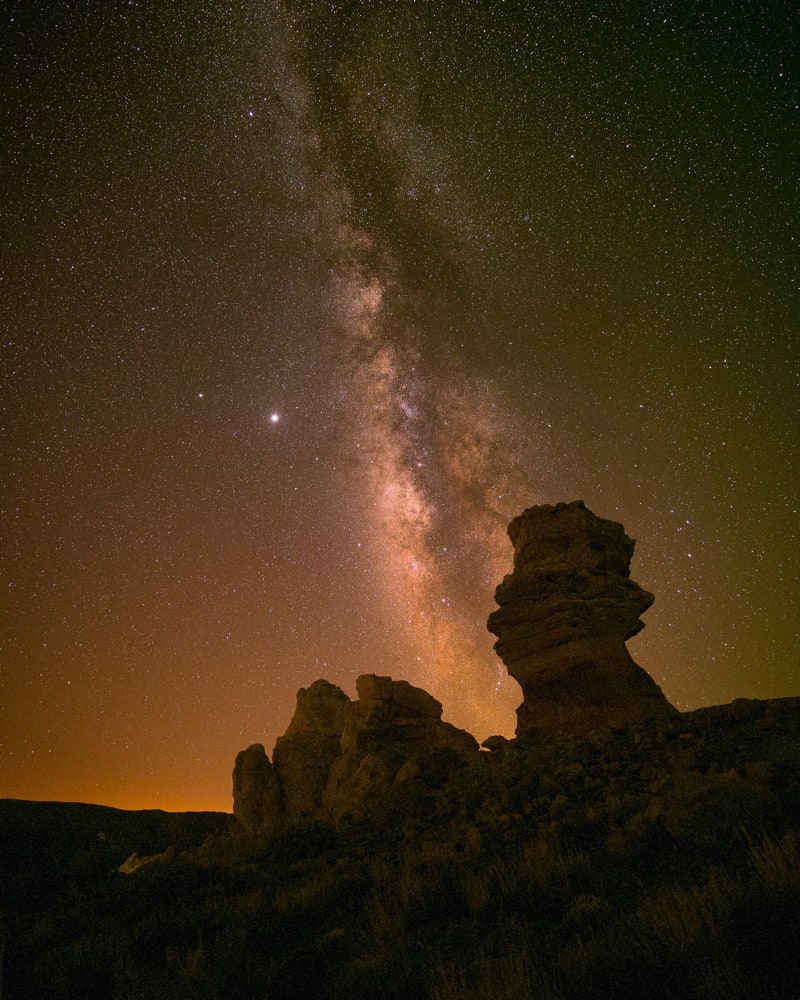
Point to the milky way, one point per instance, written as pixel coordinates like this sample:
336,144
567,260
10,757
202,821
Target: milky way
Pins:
426,455
302,303
426,451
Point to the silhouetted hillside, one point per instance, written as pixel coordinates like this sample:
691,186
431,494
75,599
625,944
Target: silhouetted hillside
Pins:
48,846
617,849
657,861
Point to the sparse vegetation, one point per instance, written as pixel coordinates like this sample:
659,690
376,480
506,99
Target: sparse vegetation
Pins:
639,866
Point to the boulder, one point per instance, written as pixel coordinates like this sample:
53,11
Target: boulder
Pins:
340,757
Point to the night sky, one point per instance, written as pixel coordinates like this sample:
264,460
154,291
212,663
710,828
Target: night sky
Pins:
302,303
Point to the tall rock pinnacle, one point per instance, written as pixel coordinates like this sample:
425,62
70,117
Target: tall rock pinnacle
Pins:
565,613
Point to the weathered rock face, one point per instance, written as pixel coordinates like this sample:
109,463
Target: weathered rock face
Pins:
304,755
341,757
565,613
394,712
257,799
388,733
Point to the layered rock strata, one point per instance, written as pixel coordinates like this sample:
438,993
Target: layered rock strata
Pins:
565,613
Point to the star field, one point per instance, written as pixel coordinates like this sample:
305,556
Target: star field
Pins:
303,302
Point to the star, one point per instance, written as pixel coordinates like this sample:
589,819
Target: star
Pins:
459,321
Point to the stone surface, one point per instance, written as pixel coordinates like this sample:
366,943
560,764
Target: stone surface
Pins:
341,757
319,712
394,713
257,799
388,734
565,613
304,755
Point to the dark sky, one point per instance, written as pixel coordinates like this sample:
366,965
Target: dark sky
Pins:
301,303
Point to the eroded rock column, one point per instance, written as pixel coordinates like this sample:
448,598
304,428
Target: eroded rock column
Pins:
565,613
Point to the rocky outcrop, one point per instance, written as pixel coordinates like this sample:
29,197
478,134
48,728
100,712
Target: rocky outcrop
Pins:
257,798
390,732
395,713
341,757
565,613
304,755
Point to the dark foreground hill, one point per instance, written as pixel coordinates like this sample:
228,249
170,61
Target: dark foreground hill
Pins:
51,848
657,861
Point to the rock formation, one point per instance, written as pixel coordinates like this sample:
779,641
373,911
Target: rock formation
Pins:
389,734
340,757
256,794
565,613
304,755
394,711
